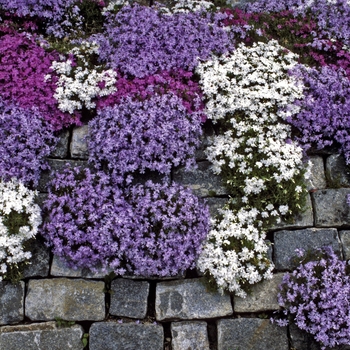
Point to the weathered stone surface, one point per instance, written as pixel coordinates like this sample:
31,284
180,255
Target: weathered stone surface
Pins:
202,180
189,335
61,150
57,165
128,336
11,302
79,142
189,299
263,296
331,208
40,199
59,268
39,263
252,334
317,179
215,204
345,240
72,300
302,219
301,340
287,241
208,133
336,171
129,298
41,336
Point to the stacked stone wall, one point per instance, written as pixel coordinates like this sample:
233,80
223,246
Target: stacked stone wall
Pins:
55,307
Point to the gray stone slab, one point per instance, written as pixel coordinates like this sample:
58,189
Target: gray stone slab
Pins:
57,165
215,204
331,207
208,133
286,242
61,150
345,240
202,180
317,179
79,143
129,298
303,219
39,263
68,299
337,173
128,336
302,340
41,336
11,302
252,334
189,299
60,269
262,297
189,335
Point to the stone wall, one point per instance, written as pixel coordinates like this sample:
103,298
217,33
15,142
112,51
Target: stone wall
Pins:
178,313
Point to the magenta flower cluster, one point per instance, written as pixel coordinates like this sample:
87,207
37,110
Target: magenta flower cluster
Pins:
148,230
316,295
25,142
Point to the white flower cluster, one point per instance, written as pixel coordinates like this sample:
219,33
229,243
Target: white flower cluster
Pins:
78,85
113,4
235,252
186,6
251,93
15,197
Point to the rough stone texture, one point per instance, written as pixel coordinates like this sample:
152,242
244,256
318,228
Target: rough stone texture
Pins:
79,142
39,262
57,165
287,241
11,302
202,180
189,336
301,340
41,336
302,219
317,180
61,150
129,336
59,268
331,208
215,204
252,334
345,240
263,296
336,171
208,132
189,299
71,300
129,298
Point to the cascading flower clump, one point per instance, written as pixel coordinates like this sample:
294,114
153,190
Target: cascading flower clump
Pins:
20,218
316,295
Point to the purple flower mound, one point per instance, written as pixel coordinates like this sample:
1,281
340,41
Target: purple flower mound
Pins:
317,295
325,109
89,222
153,134
23,67
172,226
140,41
25,141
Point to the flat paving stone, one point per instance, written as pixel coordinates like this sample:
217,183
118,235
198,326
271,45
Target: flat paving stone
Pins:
41,336
129,298
286,242
331,207
68,299
252,334
202,180
11,302
189,335
79,142
263,296
189,299
128,336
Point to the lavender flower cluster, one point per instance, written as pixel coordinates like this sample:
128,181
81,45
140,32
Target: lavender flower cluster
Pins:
316,295
151,229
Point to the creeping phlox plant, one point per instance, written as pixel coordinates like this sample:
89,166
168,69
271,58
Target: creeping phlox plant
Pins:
316,296
20,218
250,95
151,229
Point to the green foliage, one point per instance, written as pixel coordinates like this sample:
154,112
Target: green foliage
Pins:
14,221
85,339
60,323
